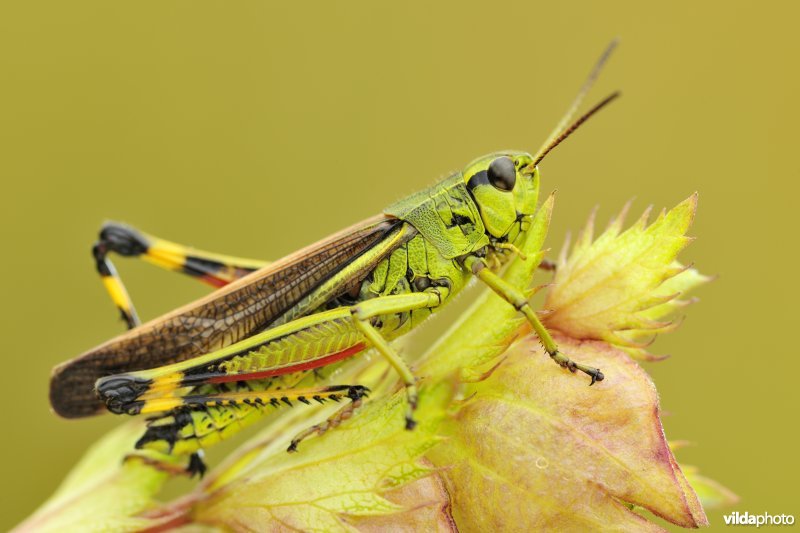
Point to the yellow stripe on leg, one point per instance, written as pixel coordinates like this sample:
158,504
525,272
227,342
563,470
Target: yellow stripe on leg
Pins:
121,299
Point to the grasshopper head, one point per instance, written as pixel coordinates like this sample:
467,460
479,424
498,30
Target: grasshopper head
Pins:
502,185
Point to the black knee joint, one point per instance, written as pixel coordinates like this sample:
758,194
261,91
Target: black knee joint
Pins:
120,393
122,239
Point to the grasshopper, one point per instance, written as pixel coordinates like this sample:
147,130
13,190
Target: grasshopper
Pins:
198,372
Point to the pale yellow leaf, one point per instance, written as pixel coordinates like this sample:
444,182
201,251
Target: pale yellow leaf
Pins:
623,286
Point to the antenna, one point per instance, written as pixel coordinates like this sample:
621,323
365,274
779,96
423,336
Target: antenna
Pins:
575,125
562,131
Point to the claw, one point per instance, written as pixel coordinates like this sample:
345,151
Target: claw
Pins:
572,366
197,467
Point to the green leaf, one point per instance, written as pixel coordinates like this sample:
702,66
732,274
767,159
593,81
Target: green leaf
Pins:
622,286
338,481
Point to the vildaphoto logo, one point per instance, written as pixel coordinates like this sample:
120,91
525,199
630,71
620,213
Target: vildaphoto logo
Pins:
764,519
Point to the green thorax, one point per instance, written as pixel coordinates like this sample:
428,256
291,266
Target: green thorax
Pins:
446,216
416,266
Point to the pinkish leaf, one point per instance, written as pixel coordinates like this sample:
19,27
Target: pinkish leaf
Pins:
533,448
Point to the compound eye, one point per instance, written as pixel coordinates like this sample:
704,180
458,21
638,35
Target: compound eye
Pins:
502,174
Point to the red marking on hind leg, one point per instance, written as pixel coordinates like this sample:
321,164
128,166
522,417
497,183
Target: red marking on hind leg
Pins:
308,365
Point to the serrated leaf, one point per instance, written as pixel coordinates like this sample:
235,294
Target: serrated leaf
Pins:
622,287
535,449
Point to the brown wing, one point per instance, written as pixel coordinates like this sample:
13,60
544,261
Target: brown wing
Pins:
225,316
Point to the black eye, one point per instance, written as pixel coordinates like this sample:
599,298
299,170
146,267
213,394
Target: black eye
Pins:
502,173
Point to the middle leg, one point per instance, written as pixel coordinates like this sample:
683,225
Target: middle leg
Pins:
517,298
365,312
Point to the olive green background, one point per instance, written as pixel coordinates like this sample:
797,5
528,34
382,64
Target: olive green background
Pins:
253,129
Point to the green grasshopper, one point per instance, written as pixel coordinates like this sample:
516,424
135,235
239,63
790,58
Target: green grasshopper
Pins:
200,372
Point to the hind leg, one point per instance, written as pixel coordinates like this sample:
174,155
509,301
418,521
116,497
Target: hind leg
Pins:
212,268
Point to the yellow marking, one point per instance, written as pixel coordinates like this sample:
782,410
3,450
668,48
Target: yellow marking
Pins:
159,262
166,254
172,256
117,292
166,383
163,390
